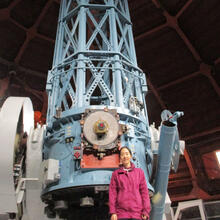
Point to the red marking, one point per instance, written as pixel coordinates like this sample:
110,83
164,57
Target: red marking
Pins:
90,161
77,148
77,155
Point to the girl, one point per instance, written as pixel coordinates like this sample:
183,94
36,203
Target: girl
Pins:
128,192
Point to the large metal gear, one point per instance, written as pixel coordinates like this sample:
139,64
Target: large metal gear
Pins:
16,119
17,122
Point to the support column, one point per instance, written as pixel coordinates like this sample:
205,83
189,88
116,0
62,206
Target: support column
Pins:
117,65
80,90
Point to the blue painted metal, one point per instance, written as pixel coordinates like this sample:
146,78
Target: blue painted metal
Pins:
168,139
94,67
107,53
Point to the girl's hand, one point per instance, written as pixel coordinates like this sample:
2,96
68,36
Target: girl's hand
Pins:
144,217
114,217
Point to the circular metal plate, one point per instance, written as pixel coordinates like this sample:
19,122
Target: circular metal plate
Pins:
113,128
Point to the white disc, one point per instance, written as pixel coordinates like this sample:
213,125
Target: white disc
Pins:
113,128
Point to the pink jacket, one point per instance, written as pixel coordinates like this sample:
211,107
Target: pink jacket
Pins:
128,193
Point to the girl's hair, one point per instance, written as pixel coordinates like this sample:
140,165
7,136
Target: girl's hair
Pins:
126,148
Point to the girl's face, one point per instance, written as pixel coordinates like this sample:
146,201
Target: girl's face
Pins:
125,156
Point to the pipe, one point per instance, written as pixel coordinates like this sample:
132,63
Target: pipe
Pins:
167,137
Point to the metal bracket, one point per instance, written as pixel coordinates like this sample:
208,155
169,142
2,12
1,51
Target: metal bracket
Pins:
189,204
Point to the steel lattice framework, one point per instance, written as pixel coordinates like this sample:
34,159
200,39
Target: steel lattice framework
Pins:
94,58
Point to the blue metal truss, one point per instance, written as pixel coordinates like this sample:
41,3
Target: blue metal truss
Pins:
94,58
